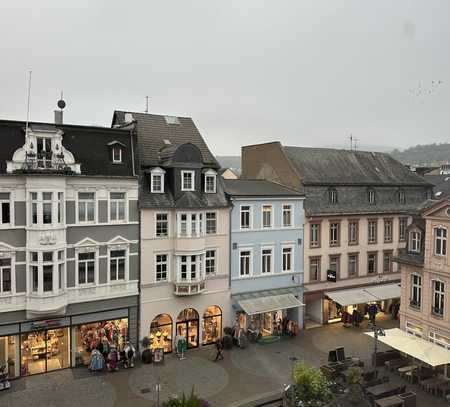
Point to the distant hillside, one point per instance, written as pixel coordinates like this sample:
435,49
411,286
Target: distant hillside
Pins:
229,161
427,154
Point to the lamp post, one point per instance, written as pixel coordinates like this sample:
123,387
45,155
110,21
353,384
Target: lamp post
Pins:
376,333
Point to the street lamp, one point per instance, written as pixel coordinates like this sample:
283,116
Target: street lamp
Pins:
376,333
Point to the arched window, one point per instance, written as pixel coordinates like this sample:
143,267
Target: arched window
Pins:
212,325
371,196
333,196
188,327
161,333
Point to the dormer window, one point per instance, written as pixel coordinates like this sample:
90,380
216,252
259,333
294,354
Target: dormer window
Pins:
414,242
371,197
157,180
401,197
117,155
333,196
187,180
210,182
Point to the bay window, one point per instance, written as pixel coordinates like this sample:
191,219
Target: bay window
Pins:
189,224
46,272
47,207
211,223
190,268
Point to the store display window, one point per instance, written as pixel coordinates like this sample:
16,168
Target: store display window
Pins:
9,354
212,325
44,351
161,333
101,336
188,327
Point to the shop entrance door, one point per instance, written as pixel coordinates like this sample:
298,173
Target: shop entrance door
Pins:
188,327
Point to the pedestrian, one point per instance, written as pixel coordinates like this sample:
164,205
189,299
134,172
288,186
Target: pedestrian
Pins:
219,347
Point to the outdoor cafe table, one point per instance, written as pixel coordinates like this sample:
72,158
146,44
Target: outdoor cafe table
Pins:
406,369
383,389
391,401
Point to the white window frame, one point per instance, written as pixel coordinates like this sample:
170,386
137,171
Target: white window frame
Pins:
216,217
167,263
168,225
85,202
11,208
116,201
114,148
262,216
160,173
214,250
211,174
200,224
443,343
250,217
291,248
443,239
11,258
77,265
291,211
441,294
199,267
192,173
417,287
271,265
127,265
87,249
250,262
415,240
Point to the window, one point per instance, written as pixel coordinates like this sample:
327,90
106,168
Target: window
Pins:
315,235
5,276
416,291
352,265
86,206
314,269
157,180
211,223
190,268
267,216
210,262
34,208
86,268
47,207
442,341
117,265
287,258
187,180
245,263
372,231
387,230
60,207
387,262
117,155
266,261
334,234
47,271
353,232
162,225
44,152
440,241
401,197
287,215
371,197
5,210
332,196
210,182
183,224
438,298
183,268
402,224
335,263
372,263
414,329
161,267
193,267
245,217
415,242
117,203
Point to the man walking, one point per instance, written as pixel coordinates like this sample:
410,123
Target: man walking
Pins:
219,347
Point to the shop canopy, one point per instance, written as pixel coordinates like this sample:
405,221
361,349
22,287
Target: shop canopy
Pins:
364,295
418,348
259,305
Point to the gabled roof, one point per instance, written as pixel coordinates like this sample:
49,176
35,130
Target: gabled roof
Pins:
258,188
328,166
88,144
155,133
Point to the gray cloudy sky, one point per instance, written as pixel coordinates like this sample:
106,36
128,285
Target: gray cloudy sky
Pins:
248,71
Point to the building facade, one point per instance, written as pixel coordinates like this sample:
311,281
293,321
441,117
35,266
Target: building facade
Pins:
266,255
425,270
184,233
357,208
69,231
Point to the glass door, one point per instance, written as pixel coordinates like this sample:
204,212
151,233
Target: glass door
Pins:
58,349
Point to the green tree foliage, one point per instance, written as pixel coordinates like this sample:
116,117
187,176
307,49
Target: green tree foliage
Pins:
427,154
311,386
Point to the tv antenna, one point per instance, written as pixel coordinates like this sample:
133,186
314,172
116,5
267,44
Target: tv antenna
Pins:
28,102
146,104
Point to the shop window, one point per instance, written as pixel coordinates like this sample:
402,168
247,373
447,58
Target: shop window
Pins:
86,207
210,262
162,225
245,263
315,235
245,217
187,180
287,215
287,258
372,231
188,327
353,232
440,241
387,230
352,265
8,355
117,259
416,291
5,276
438,297
86,268
161,333
314,269
117,205
161,267
212,325
402,224
372,263
267,216
5,208
211,223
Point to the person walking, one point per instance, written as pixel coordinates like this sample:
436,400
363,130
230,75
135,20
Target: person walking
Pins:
219,347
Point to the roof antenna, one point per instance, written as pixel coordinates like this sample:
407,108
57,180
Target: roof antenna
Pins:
351,142
28,103
146,104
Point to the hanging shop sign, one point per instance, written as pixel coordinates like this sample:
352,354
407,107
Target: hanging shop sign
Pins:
332,276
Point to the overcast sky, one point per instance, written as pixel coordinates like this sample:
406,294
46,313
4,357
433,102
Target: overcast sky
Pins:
304,72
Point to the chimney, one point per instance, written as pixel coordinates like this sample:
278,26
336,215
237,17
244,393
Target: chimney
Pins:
58,117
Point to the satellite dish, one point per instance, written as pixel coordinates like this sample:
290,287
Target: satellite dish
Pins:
61,104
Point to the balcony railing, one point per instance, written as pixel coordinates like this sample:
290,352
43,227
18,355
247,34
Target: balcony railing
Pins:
185,288
47,304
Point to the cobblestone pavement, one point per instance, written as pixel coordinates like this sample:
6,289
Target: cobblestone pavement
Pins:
244,373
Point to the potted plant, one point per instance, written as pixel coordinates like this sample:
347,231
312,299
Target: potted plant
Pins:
146,355
187,401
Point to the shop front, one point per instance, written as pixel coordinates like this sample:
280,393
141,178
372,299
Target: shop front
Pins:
161,333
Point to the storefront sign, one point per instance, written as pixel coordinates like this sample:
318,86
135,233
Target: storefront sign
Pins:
331,276
158,355
50,323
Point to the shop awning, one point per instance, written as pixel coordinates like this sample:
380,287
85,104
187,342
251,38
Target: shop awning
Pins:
270,303
418,348
364,295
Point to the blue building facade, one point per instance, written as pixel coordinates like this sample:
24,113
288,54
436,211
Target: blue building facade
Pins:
266,276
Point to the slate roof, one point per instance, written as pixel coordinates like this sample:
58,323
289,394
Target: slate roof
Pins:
344,167
257,188
153,130
88,144
441,184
